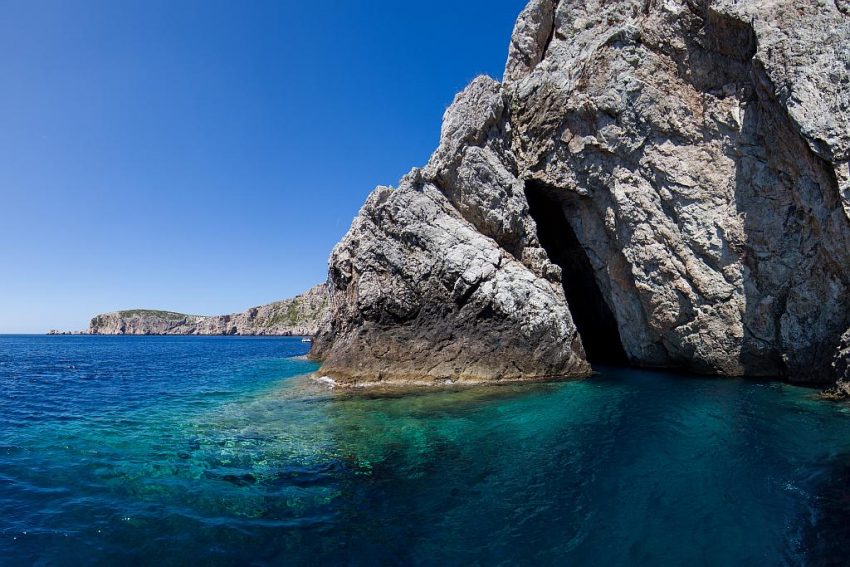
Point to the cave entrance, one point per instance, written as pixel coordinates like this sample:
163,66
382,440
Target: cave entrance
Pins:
591,314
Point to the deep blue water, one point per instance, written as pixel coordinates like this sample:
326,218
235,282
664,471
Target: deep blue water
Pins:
216,451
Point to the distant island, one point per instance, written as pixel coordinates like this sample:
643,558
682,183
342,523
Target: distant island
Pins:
299,315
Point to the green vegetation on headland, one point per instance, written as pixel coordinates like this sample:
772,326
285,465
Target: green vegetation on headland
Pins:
170,315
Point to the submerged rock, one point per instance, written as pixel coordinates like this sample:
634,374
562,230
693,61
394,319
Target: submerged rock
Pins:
660,182
297,316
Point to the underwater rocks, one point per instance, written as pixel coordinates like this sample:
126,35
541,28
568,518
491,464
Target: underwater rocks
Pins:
297,316
663,183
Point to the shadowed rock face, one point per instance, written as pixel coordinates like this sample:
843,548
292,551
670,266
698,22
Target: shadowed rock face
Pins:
590,310
692,156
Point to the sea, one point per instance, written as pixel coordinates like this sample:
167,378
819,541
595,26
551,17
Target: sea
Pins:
223,451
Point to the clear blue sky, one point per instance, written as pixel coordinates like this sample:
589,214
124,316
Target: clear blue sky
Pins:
205,156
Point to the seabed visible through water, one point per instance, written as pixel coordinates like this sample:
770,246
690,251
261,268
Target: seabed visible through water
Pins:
175,450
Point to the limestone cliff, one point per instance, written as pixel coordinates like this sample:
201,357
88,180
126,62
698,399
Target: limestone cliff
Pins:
659,181
297,316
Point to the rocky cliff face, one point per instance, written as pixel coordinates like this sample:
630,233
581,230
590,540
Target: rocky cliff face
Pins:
659,181
297,316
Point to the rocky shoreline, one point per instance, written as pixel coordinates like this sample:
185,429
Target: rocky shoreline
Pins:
659,184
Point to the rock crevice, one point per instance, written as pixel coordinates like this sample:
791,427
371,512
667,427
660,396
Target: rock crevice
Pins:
590,309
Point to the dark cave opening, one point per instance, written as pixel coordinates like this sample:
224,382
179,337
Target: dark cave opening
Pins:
591,314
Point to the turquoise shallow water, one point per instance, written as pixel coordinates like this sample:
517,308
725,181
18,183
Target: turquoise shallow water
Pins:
215,451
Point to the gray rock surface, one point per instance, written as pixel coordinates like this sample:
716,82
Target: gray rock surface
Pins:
421,296
682,163
297,316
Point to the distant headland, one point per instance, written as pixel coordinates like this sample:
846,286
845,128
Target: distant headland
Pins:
299,315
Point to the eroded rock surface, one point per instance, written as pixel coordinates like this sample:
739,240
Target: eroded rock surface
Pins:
300,315
421,296
686,163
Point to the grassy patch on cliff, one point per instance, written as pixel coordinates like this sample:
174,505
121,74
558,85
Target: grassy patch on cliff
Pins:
168,315
285,315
